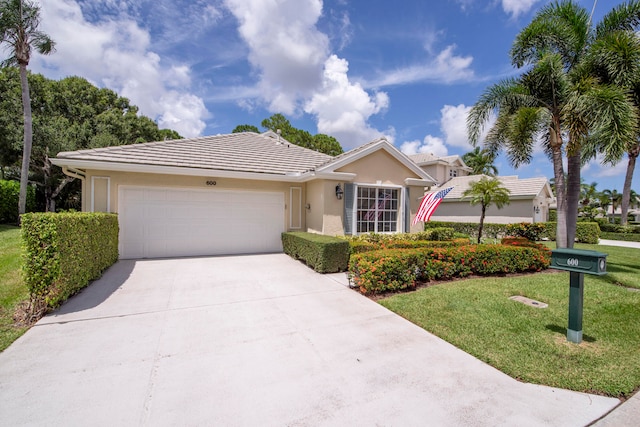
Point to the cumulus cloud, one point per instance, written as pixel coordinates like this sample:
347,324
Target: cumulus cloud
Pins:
453,123
430,144
116,53
516,8
445,67
296,71
343,108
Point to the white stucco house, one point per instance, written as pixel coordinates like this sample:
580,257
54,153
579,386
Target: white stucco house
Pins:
529,201
236,193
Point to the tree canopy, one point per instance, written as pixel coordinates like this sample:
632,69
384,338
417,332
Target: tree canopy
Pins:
319,142
486,192
68,114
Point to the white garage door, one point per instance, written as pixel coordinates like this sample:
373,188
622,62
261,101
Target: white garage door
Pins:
166,222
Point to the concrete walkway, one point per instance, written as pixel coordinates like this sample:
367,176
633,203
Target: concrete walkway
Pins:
620,243
254,340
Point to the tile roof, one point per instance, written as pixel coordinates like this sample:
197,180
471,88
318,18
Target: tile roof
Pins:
238,152
423,158
526,187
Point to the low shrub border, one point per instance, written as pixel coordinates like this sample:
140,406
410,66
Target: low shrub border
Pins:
401,269
64,252
325,254
363,246
9,192
627,237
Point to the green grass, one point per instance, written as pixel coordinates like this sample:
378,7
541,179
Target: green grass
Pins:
12,289
530,343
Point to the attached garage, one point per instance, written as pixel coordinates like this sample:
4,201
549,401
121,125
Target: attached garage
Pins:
168,222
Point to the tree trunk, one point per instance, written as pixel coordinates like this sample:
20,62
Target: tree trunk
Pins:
626,190
561,200
573,196
484,211
28,138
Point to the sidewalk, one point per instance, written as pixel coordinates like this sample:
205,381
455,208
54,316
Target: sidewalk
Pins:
620,243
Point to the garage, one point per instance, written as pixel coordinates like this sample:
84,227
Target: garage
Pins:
160,222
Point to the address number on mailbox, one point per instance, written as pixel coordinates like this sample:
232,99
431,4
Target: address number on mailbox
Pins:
573,262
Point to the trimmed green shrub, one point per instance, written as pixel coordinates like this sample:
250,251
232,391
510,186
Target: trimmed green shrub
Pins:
65,251
586,232
401,269
363,246
325,254
470,228
527,230
9,194
627,237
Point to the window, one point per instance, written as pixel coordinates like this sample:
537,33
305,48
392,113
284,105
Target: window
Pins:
377,210
453,173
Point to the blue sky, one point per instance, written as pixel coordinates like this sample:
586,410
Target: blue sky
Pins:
408,70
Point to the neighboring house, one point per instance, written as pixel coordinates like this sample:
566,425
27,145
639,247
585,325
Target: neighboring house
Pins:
442,169
231,194
529,201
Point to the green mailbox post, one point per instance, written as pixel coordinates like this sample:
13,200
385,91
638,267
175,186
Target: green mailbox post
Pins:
578,262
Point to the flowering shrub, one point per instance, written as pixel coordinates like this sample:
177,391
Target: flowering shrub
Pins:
401,269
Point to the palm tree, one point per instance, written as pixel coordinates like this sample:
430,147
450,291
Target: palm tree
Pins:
557,101
615,198
486,191
481,162
19,20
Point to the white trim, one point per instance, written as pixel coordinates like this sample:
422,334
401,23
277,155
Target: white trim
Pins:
291,189
401,196
93,178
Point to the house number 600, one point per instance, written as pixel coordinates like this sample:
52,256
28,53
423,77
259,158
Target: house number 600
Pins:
211,183
572,262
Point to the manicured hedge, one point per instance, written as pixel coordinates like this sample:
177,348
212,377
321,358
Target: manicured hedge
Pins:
470,228
627,237
401,269
586,232
325,254
358,246
9,193
65,251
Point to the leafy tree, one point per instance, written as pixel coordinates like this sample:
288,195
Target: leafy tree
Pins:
486,192
19,21
320,142
558,100
245,128
481,162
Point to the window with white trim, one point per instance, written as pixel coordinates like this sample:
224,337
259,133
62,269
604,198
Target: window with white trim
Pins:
453,173
377,210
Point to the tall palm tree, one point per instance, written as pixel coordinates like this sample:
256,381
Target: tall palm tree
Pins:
481,162
615,198
486,192
19,20
557,101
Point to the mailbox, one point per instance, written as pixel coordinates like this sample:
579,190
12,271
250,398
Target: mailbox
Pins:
579,261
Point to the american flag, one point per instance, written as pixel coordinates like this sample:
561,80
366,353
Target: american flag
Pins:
429,204
371,213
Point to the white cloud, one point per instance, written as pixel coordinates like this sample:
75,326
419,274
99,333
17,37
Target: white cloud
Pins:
430,144
446,67
117,54
285,47
517,7
453,123
343,108
297,72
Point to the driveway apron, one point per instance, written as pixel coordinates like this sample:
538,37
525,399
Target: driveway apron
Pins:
254,340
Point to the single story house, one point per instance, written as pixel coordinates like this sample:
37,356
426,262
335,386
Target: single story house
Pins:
442,169
529,201
236,193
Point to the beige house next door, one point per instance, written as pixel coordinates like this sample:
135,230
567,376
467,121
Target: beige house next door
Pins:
158,222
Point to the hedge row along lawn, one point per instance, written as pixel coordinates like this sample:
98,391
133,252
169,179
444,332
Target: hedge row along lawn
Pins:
12,289
530,343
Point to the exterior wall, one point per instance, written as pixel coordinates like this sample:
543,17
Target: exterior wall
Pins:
379,166
517,209
314,201
118,179
415,195
332,221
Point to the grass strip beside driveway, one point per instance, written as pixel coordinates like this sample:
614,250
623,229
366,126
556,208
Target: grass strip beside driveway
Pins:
12,288
529,343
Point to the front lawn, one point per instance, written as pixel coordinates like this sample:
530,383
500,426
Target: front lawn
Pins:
529,343
12,289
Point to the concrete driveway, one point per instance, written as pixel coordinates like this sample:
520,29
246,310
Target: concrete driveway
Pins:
254,340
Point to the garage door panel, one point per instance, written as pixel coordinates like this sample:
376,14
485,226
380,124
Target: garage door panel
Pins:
157,222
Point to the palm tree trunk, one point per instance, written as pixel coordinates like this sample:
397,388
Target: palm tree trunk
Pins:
626,190
484,211
561,200
28,138
573,196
